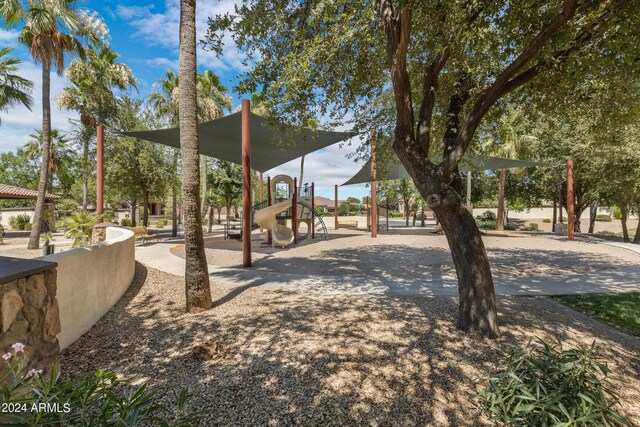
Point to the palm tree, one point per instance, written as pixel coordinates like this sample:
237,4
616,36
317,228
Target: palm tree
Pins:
14,89
164,99
213,100
197,288
512,145
52,28
93,81
58,149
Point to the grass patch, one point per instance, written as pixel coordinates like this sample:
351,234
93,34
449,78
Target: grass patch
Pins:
620,310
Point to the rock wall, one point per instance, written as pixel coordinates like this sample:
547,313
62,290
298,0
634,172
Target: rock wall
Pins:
29,311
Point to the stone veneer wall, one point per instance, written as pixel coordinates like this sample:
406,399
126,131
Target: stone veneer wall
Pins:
29,311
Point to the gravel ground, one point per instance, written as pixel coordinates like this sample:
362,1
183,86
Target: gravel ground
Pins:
290,358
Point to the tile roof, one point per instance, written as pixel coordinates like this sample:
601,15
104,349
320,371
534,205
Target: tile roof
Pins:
11,192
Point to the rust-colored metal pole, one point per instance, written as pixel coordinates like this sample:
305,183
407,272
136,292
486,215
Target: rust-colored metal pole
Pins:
335,208
294,210
246,183
99,172
570,195
313,211
374,195
269,241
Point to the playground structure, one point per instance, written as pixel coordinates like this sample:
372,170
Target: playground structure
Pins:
286,210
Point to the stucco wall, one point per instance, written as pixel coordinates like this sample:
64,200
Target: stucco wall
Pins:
91,280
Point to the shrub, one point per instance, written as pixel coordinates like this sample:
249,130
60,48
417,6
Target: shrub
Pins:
617,213
161,223
486,224
546,221
78,228
546,385
533,226
395,214
66,207
20,222
96,399
109,215
487,216
126,222
603,217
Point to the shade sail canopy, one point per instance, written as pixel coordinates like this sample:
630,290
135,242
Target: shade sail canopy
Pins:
221,139
469,161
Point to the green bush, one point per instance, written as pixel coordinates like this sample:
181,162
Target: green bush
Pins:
546,385
486,224
487,216
533,226
617,213
78,227
395,214
96,399
161,223
126,222
66,207
20,222
109,215
603,217
546,221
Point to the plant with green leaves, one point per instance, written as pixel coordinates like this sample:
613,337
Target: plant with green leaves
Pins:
14,89
51,29
92,400
20,222
544,384
78,228
426,74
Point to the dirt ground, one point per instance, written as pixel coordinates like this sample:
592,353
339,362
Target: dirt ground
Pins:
290,358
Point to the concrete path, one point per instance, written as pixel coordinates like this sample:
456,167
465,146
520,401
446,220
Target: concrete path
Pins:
158,256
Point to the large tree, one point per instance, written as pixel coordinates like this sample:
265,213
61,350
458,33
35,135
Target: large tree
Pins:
51,29
93,81
445,64
14,89
197,288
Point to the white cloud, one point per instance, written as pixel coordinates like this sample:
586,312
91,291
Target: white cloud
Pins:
9,37
162,63
19,122
161,28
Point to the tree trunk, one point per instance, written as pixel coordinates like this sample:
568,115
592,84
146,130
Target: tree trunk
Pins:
134,208
636,238
555,218
34,237
501,185
203,203
210,219
407,213
174,196
145,209
423,217
85,169
593,210
197,288
561,201
477,311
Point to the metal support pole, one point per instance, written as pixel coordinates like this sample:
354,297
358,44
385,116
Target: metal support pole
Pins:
261,193
99,172
313,211
269,241
294,210
335,212
374,198
246,183
570,195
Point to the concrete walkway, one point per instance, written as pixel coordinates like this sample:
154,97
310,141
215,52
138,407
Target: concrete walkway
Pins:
624,279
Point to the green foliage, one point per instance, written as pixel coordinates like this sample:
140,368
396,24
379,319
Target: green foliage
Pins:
66,207
92,400
47,237
487,216
486,224
547,221
14,88
225,180
533,226
545,385
395,214
161,223
617,213
78,228
343,209
603,217
126,222
109,215
620,310
20,222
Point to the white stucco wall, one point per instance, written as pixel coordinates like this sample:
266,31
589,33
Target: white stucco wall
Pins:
91,280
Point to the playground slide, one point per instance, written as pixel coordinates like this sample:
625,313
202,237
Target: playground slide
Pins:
280,234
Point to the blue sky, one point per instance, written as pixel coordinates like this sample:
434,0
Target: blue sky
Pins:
145,34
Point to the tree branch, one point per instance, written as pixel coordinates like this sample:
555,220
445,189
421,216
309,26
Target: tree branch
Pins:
486,101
